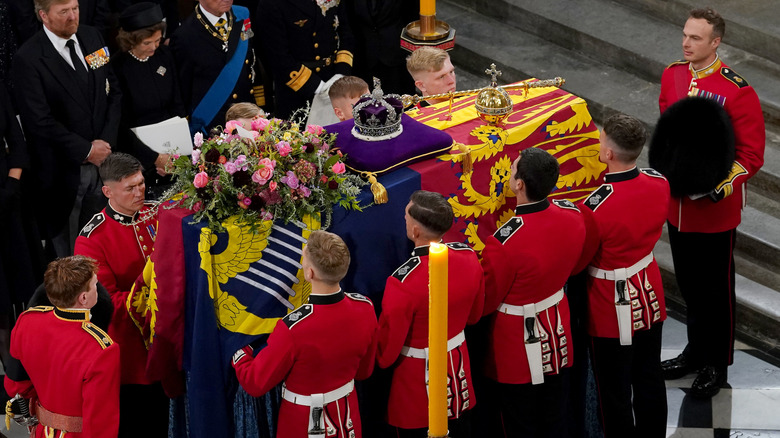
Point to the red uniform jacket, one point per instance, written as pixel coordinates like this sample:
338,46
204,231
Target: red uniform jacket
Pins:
527,260
121,245
404,322
629,211
315,349
73,367
741,103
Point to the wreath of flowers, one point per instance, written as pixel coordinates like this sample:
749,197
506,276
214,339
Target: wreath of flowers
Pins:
276,171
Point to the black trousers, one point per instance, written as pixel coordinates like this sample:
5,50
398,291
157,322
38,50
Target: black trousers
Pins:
631,371
704,267
143,411
458,428
534,411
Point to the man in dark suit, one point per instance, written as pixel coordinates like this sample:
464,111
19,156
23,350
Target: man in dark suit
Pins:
216,62
25,23
69,103
308,45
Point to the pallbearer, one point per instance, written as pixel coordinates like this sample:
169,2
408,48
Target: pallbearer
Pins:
317,350
527,263
403,324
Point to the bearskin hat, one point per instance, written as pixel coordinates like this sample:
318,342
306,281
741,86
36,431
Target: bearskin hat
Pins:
693,146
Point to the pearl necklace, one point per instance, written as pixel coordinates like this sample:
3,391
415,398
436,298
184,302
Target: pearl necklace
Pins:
137,58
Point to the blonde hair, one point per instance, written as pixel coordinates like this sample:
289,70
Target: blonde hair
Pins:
243,110
348,87
329,255
426,59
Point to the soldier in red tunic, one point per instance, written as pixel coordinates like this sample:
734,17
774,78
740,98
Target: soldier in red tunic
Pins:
317,350
121,239
702,231
403,324
527,263
626,305
73,365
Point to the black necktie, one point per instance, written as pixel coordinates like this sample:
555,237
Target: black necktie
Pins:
81,71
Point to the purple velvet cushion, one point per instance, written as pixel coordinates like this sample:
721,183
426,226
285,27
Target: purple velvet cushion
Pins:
416,143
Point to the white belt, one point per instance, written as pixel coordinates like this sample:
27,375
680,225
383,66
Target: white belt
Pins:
622,300
328,397
615,274
317,403
545,304
533,345
422,353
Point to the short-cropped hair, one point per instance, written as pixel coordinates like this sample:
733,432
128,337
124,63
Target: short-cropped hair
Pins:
426,59
628,134
329,255
128,40
118,166
432,211
539,171
243,110
44,5
348,87
67,277
713,17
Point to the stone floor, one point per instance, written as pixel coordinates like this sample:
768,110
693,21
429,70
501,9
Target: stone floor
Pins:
750,407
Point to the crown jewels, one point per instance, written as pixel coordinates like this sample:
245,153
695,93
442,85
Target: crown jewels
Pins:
377,116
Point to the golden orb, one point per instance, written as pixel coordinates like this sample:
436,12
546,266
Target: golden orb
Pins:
493,105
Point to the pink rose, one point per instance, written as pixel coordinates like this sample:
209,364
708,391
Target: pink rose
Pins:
267,162
198,139
304,191
231,125
198,205
315,129
290,179
338,168
259,124
196,155
258,178
284,148
230,167
272,185
201,179
247,201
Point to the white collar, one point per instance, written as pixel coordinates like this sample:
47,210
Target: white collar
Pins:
59,42
211,17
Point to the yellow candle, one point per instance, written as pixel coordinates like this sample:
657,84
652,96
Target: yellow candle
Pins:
437,341
427,7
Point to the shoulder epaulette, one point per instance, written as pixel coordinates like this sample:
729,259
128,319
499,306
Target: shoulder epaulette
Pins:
298,315
102,337
95,222
649,171
565,203
732,76
358,297
680,62
597,197
459,246
508,229
40,309
404,270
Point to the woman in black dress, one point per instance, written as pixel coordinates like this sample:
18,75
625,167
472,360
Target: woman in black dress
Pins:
150,88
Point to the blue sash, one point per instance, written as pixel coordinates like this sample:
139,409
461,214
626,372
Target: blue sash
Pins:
220,90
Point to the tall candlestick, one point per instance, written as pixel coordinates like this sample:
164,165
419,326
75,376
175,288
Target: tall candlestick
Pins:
427,7
437,341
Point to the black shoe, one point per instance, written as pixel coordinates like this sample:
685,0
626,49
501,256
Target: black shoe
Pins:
676,368
708,382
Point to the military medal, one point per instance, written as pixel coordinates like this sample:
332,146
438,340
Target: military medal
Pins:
98,58
246,30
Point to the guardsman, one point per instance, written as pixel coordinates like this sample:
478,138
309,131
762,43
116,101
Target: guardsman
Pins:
702,230
73,366
403,324
310,43
121,239
318,350
216,62
527,263
626,306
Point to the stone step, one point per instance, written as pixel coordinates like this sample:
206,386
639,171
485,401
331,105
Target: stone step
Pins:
520,55
758,306
751,25
624,38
